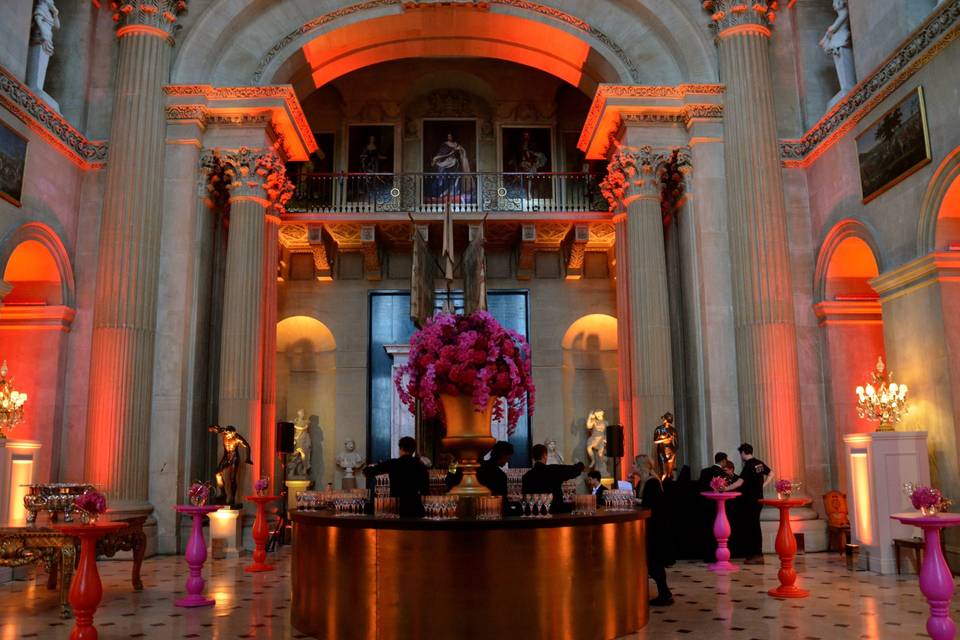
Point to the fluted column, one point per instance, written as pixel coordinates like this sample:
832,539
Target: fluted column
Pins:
767,369
271,240
125,306
624,361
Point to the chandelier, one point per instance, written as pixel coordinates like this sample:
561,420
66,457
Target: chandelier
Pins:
11,403
882,400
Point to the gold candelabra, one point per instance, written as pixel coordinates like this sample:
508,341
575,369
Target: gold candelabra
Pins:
882,400
11,403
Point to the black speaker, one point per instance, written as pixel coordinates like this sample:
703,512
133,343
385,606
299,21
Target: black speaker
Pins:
615,441
285,437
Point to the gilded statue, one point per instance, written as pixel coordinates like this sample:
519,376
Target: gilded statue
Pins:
597,442
229,469
665,444
300,462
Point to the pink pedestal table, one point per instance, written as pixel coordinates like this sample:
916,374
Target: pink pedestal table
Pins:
196,555
936,581
721,531
786,547
261,531
86,590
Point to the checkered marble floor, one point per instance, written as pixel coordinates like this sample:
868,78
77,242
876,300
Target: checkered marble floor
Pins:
842,604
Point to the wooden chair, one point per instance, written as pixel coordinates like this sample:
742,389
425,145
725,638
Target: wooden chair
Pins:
838,519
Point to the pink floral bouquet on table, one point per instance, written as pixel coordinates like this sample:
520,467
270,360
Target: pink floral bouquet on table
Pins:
784,488
468,355
929,500
199,494
718,484
92,505
260,486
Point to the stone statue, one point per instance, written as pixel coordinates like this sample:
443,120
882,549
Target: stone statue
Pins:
46,19
553,456
665,445
836,42
230,468
597,442
300,462
350,461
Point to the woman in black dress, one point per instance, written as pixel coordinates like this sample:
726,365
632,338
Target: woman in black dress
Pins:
658,542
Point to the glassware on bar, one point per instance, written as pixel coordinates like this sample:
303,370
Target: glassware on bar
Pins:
584,505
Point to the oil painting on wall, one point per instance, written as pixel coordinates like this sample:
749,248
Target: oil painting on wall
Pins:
13,155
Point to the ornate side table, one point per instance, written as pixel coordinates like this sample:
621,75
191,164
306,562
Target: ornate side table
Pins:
56,552
196,555
721,531
261,531
936,581
786,547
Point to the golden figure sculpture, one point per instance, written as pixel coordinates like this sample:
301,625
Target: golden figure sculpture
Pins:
665,444
229,469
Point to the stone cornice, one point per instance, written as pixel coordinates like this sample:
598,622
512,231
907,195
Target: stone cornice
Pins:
45,317
856,312
153,17
525,5
36,114
926,42
940,266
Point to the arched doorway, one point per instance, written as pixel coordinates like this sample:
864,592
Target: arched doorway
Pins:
35,318
851,325
589,380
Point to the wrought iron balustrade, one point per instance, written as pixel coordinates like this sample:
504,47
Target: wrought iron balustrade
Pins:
431,192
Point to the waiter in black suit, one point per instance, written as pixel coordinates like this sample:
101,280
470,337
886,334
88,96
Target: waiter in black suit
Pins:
549,478
715,471
409,479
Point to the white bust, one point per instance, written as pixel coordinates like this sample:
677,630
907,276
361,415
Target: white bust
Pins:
349,459
553,456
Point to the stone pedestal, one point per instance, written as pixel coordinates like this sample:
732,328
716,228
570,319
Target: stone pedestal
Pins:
294,487
878,465
18,459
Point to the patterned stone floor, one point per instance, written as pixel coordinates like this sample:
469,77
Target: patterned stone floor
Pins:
842,604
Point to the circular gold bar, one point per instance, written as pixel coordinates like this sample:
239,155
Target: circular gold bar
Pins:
566,577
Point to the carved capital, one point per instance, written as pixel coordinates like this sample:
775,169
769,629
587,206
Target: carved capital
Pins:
730,17
257,174
152,17
212,185
632,173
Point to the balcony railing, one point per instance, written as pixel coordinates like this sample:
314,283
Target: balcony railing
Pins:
431,192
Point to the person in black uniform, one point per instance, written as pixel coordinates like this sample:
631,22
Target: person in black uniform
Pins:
715,471
491,474
659,553
754,476
595,484
549,478
409,479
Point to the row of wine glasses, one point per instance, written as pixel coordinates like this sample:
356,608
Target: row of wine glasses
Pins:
584,505
349,503
618,500
311,500
536,505
386,507
440,507
490,508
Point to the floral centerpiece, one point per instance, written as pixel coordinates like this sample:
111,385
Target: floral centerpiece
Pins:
471,356
718,484
260,486
91,505
928,500
199,493
784,489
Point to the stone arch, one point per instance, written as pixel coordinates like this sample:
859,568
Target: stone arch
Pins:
35,241
939,224
847,245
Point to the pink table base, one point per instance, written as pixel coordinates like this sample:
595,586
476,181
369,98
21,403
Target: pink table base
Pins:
195,556
721,531
786,547
936,581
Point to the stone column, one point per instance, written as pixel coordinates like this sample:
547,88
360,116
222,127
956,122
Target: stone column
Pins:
125,305
624,361
257,185
767,370
271,255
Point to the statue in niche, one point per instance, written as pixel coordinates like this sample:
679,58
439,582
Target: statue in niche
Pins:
665,445
230,467
597,442
837,42
553,456
46,20
350,461
300,463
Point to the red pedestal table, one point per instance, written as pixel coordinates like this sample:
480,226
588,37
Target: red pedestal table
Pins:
721,531
936,581
86,590
786,547
261,531
196,555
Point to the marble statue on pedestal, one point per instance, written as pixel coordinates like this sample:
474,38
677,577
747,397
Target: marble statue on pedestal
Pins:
665,445
553,456
350,461
836,42
46,20
597,442
300,462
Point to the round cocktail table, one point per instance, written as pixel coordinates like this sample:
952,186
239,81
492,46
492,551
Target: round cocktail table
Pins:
721,531
786,547
196,555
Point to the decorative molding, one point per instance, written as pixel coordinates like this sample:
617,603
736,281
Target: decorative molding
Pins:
685,115
37,317
257,173
577,252
321,262
157,17
525,5
633,173
50,125
294,236
603,235
372,265
726,15
925,43
345,234
941,266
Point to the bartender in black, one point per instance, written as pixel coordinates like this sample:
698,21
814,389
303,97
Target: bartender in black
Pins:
549,478
409,479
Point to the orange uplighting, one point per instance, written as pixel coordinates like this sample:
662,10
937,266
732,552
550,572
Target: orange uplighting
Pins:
948,218
861,494
851,267
459,33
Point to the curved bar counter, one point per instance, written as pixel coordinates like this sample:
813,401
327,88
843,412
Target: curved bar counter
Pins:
562,577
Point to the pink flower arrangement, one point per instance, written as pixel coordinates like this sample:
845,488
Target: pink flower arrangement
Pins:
91,502
784,486
468,355
926,497
718,484
261,485
199,493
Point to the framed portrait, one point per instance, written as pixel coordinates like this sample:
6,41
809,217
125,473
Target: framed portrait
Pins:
894,146
13,157
449,152
524,153
370,148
